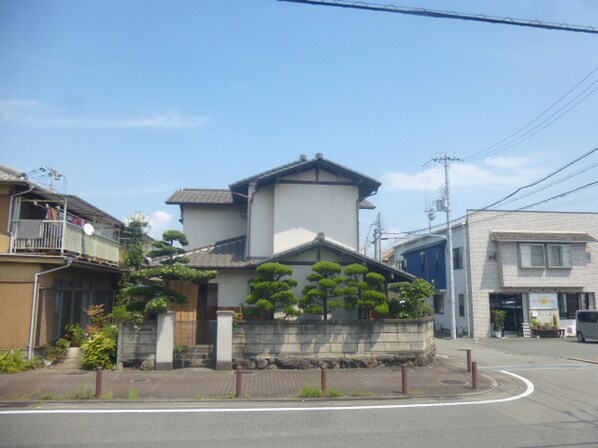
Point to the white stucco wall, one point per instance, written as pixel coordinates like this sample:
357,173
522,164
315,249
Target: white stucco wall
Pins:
205,225
233,287
261,243
301,211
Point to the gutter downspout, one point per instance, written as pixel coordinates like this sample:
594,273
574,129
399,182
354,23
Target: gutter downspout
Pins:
10,210
69,261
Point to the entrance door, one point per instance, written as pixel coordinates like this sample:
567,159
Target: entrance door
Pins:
207,305
513,305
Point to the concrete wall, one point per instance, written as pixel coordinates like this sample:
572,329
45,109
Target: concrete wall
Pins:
137,342
325,339
205,225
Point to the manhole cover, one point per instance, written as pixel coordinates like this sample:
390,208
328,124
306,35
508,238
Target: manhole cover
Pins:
453,382
140,381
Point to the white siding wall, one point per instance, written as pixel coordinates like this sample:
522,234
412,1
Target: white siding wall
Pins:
205,225
489,276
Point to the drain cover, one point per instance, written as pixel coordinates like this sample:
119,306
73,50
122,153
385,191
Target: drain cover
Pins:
453,382
140,381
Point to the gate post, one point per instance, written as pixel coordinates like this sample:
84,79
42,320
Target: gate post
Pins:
224,340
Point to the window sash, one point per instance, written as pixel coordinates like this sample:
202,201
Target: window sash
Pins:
532,255
559,255
458,258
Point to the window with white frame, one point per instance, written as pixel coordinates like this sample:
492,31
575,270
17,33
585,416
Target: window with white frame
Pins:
559,255
532,255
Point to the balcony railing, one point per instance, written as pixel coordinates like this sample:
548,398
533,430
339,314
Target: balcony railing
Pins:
42,236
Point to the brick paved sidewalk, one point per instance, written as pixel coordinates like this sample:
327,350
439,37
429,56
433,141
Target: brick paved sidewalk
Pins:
441,379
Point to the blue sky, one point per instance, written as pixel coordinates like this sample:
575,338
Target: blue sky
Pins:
132,100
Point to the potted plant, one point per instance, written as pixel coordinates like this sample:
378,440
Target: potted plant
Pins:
498,317
76,337
180,352
546,329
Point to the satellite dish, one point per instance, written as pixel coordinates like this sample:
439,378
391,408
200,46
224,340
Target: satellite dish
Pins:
88,229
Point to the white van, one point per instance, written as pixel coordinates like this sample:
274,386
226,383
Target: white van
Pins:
586,323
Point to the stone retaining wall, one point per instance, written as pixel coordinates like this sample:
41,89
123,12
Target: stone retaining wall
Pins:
399,339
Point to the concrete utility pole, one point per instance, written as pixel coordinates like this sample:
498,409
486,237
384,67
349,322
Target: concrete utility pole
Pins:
378,239
445,160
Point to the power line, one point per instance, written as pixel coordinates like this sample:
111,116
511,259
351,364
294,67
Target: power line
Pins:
490,150
449,15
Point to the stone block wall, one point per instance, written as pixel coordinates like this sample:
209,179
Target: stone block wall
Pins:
137,342
412,338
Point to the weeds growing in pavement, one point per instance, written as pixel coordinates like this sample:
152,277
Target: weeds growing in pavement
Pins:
133,394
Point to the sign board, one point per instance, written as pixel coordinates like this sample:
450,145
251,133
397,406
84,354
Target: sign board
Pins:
543,301
526,330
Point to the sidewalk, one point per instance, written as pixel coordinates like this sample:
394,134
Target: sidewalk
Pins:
443,379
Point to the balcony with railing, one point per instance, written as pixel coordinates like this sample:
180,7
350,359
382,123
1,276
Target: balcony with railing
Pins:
37,236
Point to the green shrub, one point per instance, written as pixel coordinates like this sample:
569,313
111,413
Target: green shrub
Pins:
13,361
100,350
77,335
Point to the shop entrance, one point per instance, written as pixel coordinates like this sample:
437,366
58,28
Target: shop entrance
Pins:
513,305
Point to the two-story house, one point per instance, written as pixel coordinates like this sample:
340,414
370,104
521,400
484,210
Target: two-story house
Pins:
58,255
297,214
532,265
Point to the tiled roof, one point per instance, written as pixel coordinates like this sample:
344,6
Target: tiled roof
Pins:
201,196
321,241
542,237
367,185
8,173
222,254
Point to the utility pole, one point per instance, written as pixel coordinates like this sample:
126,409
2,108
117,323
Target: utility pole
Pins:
378,239
446,202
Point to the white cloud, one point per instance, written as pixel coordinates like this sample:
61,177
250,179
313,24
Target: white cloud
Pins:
32,113
159,222
497,173
509,162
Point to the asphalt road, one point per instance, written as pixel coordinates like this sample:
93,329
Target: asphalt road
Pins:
561,411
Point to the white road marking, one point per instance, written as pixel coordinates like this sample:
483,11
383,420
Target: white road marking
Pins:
529,390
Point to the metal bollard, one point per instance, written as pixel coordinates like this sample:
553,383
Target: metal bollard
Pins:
469,351
99,382
404,380
324,379
474,375
239,382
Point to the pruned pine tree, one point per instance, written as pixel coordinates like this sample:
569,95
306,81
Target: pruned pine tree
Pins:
151,293
273,293
325,292
365,291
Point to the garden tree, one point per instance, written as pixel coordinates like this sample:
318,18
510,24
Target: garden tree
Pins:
135,232
411,303
167,248
322,296
151,293
273,293
365,290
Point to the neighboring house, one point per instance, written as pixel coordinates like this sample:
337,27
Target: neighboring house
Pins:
297,214
58,255
533,265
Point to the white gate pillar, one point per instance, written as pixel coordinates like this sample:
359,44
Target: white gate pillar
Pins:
224,340
165,342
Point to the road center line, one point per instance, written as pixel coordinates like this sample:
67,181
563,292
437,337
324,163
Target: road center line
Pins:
529,390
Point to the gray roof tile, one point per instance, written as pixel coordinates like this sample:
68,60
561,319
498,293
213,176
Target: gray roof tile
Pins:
222,254
542,237
201,196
